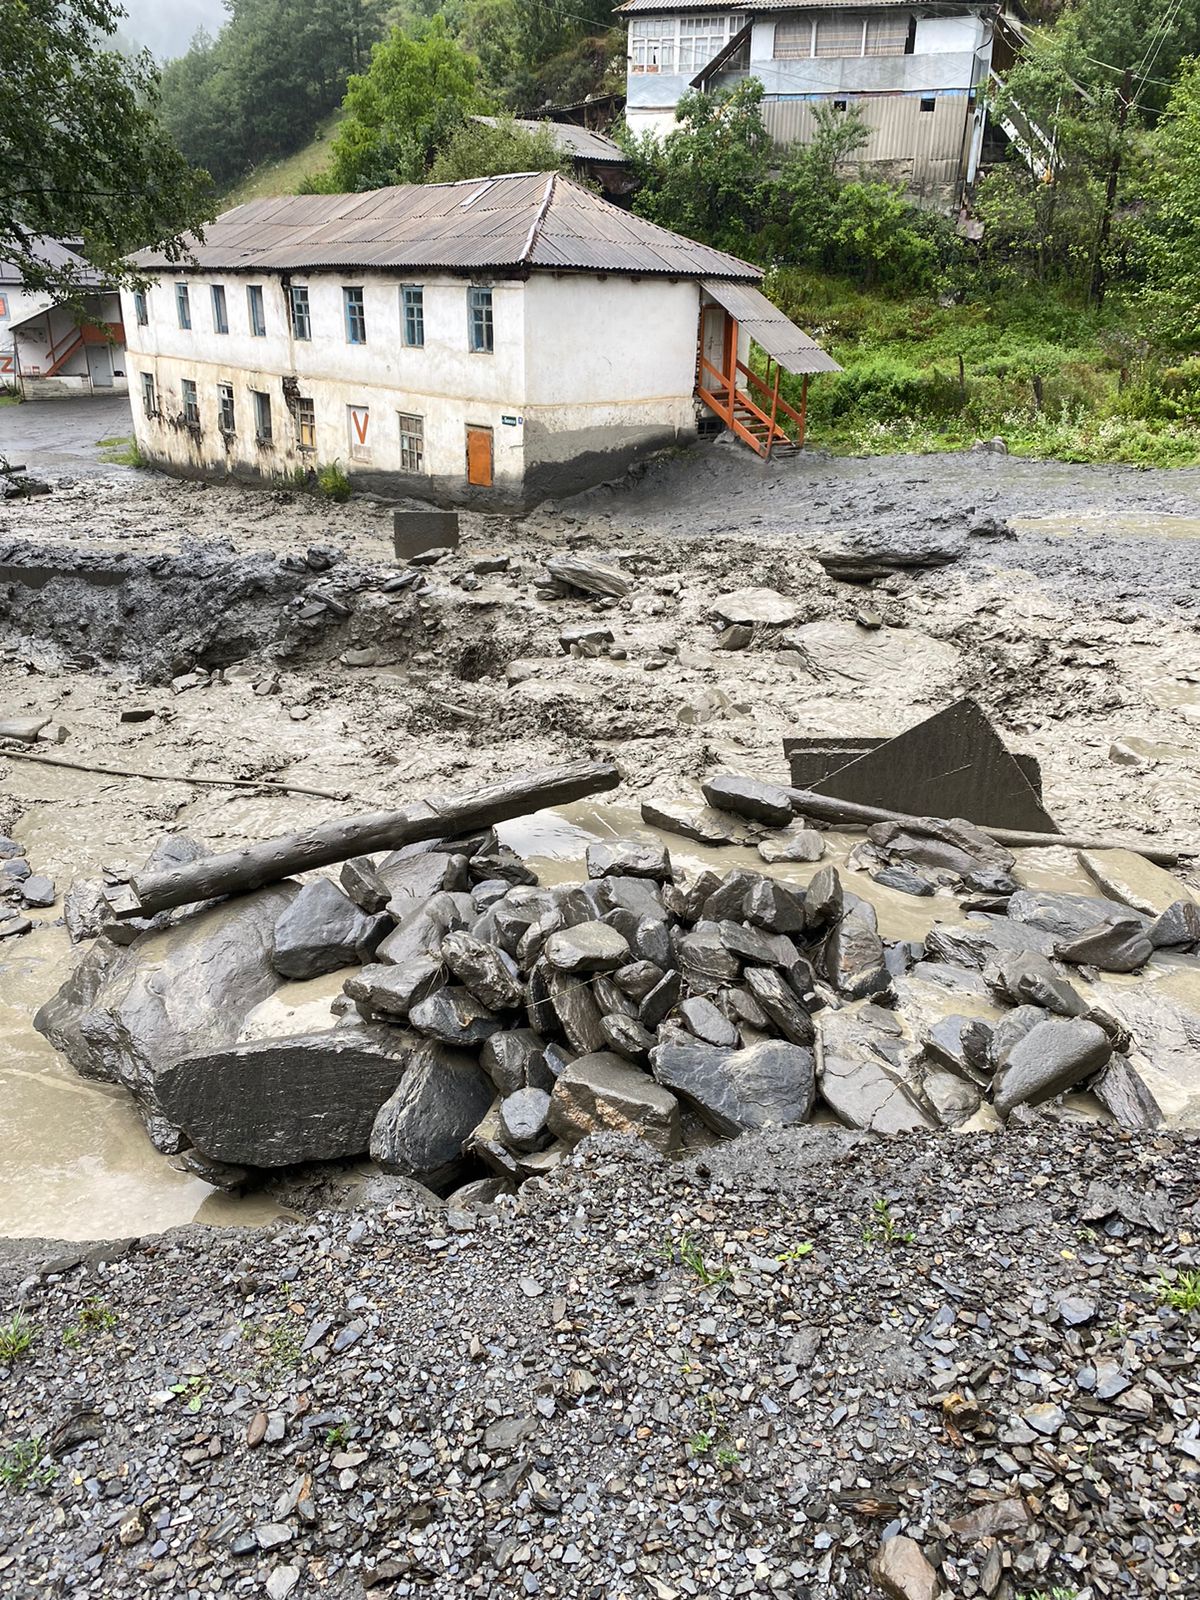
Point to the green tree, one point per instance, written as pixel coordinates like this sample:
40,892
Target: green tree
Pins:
482,149
1171,241
82,152
1147,41
402,110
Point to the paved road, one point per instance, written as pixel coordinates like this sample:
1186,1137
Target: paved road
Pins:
63,436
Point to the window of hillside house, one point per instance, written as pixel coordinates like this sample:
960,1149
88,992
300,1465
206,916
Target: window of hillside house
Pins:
226,417
652,44
794,39
929,103
479,313
258,314
887,35
262,416
141,313
412,301
149,398
839,35
700,38
356,316
301,320
220,309
412,443
191,402
183,305
306,424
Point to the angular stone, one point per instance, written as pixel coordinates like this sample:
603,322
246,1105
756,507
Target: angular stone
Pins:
902,1572
1124,1095
362,882
426,924
455,1017
704,961
903,881
708,1024
775,908
824,898
275,1102
1110,946
861,1076
323,930
395,990
1010,1030
756,605
796,843
421,1130
1064,915
626,1036
853,956
578,1014
1130,878
589,577
955,845
412,878
726,899
983,938
778,999
660,1000
693,819
737,1090
954,1099
628,858
652,942
1177,927
602,1093
587,947
752,944
38,891
1052,1057
523,1119
485,971
1027,979
85,910
641,897
958,1044
515,1059
749,797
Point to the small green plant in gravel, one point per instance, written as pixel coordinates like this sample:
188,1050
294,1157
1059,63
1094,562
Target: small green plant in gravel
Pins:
94,1317
700,1444
882,1227
726,1456
338,1437
191,1391
689,1254
24,1465
332,482
16,1337
1183,1294
796,1253
1051,1594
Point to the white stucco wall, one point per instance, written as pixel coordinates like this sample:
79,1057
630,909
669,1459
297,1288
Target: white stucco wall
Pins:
45,333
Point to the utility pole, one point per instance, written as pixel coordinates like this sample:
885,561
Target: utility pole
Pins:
1097,287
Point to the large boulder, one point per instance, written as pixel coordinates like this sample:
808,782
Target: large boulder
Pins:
274,1102
736,1090
323,930
421,1130
127,1014
1052,1057
865,1072
601,1093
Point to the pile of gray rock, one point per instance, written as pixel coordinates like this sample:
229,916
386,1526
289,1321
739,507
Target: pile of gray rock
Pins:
21,889
487,1023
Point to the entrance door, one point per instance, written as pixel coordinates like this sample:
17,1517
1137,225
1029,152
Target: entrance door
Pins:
100,367
716,344
479,457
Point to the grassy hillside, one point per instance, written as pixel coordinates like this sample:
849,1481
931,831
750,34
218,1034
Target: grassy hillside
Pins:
285,175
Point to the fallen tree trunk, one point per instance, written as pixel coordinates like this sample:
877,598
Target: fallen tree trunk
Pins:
435,818
24,729
827,808
170,777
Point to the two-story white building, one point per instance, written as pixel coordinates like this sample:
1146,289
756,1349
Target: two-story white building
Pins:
916,74
490,342
50,348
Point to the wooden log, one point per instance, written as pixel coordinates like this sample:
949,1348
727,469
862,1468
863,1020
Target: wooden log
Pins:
827,808
277,785
24,729
254,865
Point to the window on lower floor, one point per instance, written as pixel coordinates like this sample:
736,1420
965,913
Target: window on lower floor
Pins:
412,443
191,402
412,302
226,416
929,103
149,398
262,415
479,315
306,424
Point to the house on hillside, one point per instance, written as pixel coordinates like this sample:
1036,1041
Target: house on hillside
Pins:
49,349
918,75
490,342
594,156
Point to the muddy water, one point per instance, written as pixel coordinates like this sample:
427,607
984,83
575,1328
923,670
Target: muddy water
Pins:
74,1160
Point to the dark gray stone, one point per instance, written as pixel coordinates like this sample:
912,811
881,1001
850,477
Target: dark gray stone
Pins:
984,938
708,1024
749,797
626,1036
612,999
1066,915
957,1044
754,945
774,908
415,532
572,571
486,971
422,930
323,930
602,1093
523,1119
395,990
1177,927
737,1090
587,947
853,956
85,910
1010,1030
362,882
274,1102
704,961
903,881
824,898
421,1130
577,1012
1054,1056
652,942
1030,980
1122,1092
953,846
953,1098
638,978
515,1059
38,891
778,1000
661,999
862,1077
1111,946
628,858
454,1017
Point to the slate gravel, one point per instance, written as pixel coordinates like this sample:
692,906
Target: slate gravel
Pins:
637,1379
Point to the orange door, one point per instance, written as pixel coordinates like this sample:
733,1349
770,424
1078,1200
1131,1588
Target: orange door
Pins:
479,457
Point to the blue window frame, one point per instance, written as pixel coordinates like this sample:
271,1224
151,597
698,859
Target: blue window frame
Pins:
301,320
412,302
479,314
356,316
258,315
220,310
183,305
140,310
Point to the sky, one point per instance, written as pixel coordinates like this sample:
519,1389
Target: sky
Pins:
166,27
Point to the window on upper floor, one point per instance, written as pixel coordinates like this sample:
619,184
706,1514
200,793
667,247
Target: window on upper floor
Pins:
183,305
887,35
679,44
257,310
149,398
220,309
479,320
652,44
412,304
191,402
700,38
141,312
301,320
356,316
842,34
226,416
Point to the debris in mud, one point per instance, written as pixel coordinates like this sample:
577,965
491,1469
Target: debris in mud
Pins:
21,890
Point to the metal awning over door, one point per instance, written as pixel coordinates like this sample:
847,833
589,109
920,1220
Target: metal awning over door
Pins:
782,340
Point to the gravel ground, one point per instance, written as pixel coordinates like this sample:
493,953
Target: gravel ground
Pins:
638,1380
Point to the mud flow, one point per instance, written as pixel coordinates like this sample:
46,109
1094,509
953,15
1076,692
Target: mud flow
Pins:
172,629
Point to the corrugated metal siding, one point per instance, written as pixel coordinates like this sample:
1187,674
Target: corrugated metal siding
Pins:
922,148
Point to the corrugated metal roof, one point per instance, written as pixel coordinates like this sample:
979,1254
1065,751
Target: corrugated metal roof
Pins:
520,221
53,253
581,143
794,350
686,7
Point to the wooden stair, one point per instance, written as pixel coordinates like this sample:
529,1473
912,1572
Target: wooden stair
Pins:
761,426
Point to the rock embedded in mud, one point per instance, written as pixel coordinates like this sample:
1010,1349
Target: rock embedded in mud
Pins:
421,1130
749,797
627,858
796,843
601,1093
756,606
323,930
737,1090
1122,1092
85,910
394,990
1178,927
956,846
1130,878
587,947
692,819
13,927
862,1076
1053,1056
983,938
902,880
1028,979
588,577
455,1018
273,1102
38,891
1111,946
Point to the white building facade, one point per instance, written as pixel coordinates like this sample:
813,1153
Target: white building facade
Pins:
495,381
916,75
50,350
